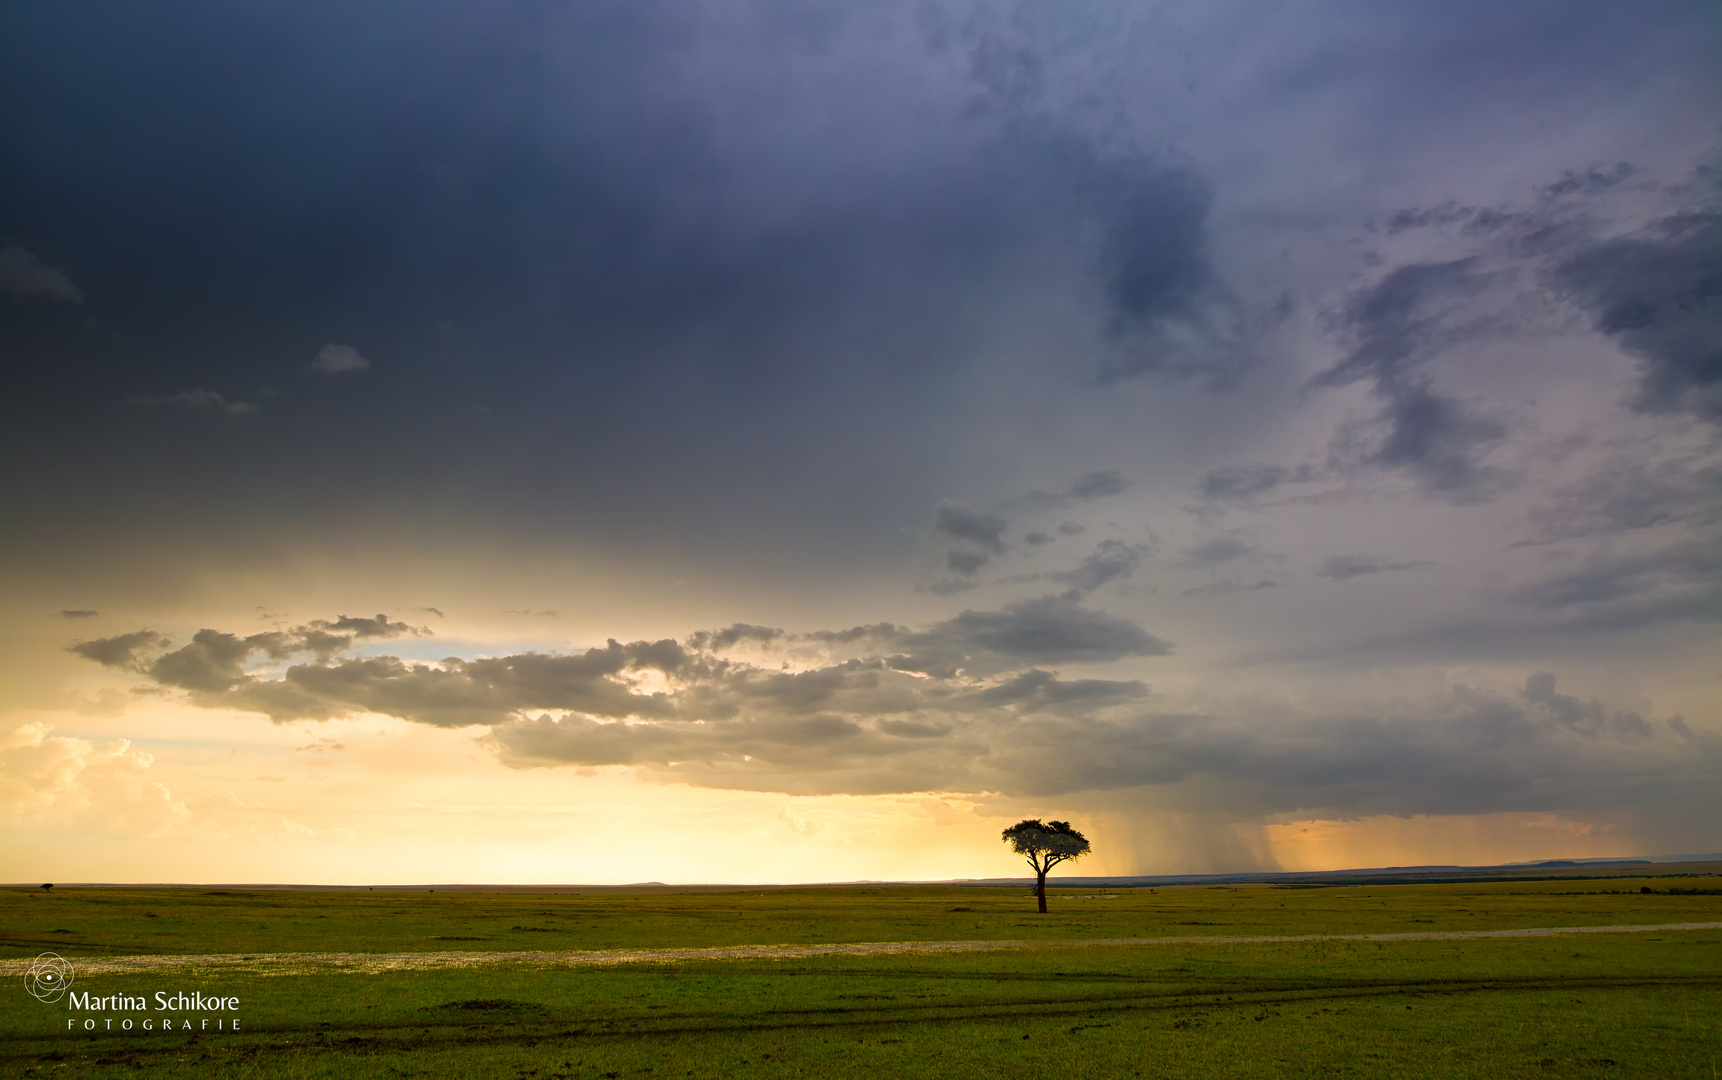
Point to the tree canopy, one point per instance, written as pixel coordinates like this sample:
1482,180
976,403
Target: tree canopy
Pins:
1045,844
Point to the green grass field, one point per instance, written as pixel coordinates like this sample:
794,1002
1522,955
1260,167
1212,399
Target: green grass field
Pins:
1638,1005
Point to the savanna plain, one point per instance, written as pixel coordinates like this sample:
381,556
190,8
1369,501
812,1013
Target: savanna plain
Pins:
545,984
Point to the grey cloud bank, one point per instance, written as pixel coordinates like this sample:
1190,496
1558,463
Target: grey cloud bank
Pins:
965,706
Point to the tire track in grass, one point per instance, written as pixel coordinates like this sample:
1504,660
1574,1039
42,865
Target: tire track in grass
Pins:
372,963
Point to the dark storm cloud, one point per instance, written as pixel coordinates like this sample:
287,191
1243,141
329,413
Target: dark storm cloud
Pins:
1111,560
212,662
966,562
1466,751
1585,717
1398,326
1226,548
961,522
1630,494
1346,567
1099,485
1090,486
1049,630
1615,589
1659,294
978,536
1168,312
1437,439
514,259
121,651
1402,320
78,613
581,164
1650,288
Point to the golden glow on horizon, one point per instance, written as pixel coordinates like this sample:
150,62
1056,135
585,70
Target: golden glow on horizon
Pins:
1467,839
232,798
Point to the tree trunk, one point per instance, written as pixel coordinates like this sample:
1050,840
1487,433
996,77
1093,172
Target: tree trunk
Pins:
1040,890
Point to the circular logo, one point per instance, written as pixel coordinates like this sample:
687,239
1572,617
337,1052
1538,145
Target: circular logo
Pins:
49,977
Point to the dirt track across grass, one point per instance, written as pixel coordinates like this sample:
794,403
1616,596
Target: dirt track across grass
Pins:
371,963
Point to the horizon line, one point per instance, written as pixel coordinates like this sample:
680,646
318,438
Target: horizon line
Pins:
1120,880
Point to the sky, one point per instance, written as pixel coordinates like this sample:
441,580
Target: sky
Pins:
770,441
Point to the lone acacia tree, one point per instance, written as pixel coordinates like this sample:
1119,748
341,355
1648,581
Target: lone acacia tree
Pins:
1046,844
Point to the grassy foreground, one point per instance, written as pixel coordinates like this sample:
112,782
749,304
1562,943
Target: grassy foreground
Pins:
1536,1008
1640,1005
95,922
